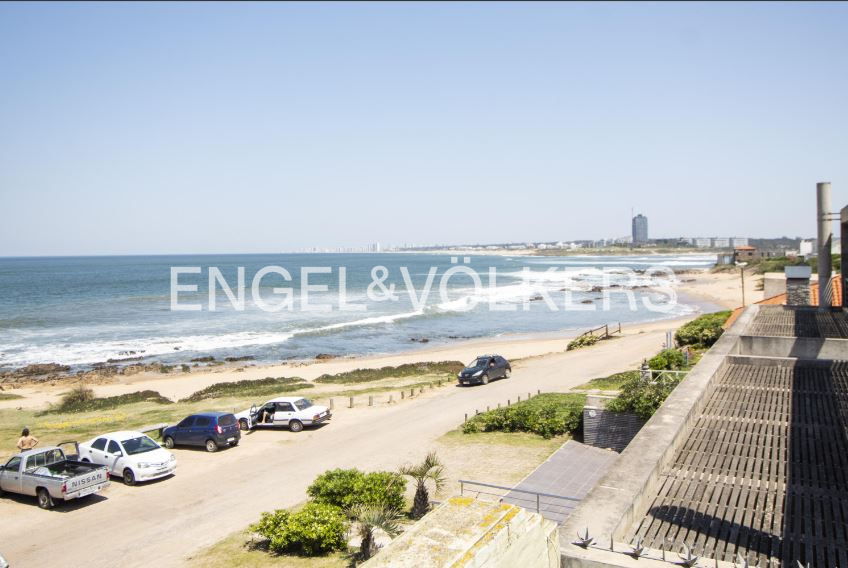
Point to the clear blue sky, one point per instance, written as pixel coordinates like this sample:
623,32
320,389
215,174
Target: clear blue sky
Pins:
156,128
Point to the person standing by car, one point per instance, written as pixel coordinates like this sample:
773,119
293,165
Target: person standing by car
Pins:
26,441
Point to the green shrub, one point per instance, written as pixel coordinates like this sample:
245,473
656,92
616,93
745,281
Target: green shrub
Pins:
258,387
703,331
667,360
643,397
582,341
350,488
78,395
448,368
547,415
78,400
315,530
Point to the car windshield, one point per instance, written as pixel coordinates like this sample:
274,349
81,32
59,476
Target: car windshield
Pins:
303,404
139,445
479,362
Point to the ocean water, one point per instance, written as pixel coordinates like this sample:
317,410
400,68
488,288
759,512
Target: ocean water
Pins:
85,310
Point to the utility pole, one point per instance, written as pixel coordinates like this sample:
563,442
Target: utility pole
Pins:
742,266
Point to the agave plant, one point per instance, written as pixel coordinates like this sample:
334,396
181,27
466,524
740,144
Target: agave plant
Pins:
431,469
373,517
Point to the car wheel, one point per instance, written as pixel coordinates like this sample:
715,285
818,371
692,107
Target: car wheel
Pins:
169,442
243,425
485,379
85,460
44,499
295,425
234,444
129,477
507,373
211,446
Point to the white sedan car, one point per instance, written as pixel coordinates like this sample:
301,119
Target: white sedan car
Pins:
134,456
292,412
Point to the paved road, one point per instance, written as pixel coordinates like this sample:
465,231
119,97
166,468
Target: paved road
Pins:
212,495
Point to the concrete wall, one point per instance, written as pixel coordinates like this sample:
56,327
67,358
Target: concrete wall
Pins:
796,347
611,430
774,283
466,533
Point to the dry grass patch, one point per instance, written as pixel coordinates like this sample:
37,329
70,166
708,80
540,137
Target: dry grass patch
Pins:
501,458
234,552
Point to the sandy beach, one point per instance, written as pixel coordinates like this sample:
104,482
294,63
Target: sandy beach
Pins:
722,289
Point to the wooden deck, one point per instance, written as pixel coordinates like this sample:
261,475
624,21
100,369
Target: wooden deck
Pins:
781,321
764,471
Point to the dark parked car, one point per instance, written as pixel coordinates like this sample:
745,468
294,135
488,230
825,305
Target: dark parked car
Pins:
210,429
483,369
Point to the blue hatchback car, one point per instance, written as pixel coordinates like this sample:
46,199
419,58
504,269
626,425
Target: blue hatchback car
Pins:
210,429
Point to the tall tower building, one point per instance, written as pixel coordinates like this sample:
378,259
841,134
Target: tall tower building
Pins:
640,229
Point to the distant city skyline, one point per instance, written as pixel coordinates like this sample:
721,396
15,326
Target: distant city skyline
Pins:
157,128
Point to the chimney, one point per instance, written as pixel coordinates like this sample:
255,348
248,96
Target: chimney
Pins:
825,234
843,242
798,285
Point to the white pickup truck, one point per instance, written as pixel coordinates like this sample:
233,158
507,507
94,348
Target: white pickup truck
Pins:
292,412
49,474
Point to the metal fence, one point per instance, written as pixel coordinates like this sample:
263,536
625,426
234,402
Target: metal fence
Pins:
550,506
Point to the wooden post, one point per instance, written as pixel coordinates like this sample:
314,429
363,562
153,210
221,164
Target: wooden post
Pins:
519,398
331,404
538,391
507,402
487,408
370,400
411,392
402,394
351,402
466,418
391,398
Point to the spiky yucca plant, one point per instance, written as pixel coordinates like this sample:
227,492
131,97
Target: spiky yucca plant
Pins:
373,517
431,469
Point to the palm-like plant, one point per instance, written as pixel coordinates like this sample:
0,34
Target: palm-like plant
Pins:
431,469
373,517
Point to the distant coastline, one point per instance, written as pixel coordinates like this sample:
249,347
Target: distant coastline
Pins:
568,252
